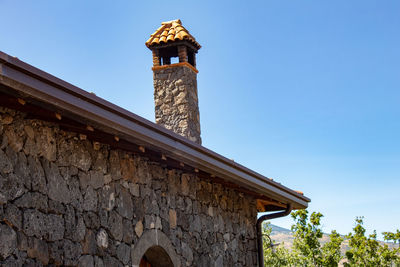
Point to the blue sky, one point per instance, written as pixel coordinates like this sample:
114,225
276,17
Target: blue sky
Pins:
305,92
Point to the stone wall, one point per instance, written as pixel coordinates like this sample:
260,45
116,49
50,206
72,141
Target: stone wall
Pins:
176,101
65,200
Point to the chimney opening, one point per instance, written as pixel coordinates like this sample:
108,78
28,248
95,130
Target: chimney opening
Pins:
170,55
174,60
192,58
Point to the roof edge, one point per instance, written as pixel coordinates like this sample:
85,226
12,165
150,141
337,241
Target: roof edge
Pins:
47,88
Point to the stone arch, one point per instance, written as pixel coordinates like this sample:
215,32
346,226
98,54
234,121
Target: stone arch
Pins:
155,245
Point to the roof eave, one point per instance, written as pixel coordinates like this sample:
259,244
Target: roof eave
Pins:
32,82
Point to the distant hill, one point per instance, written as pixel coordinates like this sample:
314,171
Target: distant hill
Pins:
278,229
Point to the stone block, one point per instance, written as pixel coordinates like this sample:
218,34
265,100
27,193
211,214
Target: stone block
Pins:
96,179
115,225
34,223
103,216
172,219
182,219
111,261
149,222
55,227
187,253
128,169
123,253
89,243
5,163
8,241
134,189
185,180
98,262
195,224
33,200
139,228
72,252
13,216
22,241
100,161
56,252
37,175
11,187
21,169
74,153
84,179
115,167
38,249
124,204
15,141
127,231
91,220
54,207
75,193
90,199
57,186
46,143
86,261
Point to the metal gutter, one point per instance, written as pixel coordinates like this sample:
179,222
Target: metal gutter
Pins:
259,231
43,87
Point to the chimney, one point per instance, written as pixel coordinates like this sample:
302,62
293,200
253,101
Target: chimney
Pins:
175,85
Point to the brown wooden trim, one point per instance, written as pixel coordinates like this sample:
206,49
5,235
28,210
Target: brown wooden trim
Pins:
263,204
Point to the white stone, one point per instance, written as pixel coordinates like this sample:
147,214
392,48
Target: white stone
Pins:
211,211
102,239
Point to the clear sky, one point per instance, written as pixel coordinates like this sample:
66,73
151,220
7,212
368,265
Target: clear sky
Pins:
305,92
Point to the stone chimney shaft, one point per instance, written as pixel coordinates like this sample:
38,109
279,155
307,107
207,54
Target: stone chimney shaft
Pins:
175,85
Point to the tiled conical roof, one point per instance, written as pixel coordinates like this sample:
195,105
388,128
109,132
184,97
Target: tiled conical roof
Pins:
171,31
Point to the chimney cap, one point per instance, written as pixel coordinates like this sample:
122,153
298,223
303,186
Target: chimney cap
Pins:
169,32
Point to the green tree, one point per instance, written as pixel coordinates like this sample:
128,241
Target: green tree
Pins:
368,251
331,250
307,248
391,255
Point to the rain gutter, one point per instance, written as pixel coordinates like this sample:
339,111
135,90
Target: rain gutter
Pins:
42,87
259,231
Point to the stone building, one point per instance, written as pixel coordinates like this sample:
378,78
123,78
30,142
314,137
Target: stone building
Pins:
85,182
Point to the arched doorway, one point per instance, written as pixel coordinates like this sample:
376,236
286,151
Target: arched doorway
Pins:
156,257
144,262
154,249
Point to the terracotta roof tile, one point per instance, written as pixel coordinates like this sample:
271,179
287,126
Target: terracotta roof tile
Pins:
171,31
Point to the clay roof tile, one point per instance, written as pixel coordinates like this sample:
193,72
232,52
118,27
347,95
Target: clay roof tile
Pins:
171,37
171,31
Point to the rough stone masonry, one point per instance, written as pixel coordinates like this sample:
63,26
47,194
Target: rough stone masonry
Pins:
176,100
65,200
